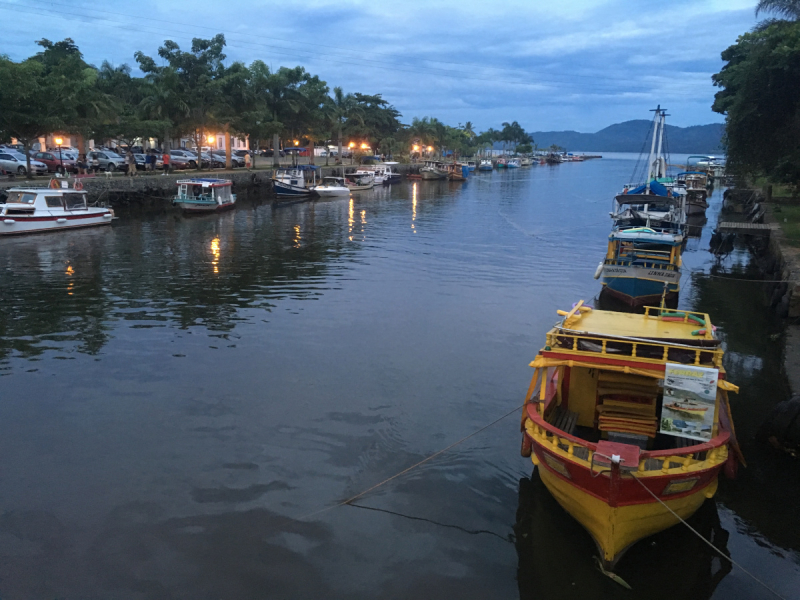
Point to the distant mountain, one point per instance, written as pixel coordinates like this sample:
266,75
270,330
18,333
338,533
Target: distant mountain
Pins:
630,137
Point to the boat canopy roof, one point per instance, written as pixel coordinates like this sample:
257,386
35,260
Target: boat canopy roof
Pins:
205,182
645,234
656,188
655,324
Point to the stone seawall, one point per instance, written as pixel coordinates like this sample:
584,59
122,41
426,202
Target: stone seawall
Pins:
120,190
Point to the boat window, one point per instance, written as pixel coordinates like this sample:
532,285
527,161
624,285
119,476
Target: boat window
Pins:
21,198
54,201
75,201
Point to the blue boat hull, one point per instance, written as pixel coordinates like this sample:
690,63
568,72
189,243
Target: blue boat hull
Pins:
285,189
484,168
638,292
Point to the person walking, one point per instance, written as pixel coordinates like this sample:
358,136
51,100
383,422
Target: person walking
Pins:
165,161
131,160
247,160
82,165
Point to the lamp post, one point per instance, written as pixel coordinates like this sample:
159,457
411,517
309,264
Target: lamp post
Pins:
58,142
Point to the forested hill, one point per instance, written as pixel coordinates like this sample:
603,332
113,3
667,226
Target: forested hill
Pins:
630,137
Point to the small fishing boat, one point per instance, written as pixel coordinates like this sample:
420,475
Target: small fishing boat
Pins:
486,165
501,163
471,165
331,187
594,426
198,195
695,184
526,161
390,171
457,171
58,207
377,172
643,259
432,170
359,181
295,181
514,163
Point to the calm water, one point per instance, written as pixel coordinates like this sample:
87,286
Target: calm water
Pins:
176,392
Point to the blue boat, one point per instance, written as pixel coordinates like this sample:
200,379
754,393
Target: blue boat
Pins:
643,260
486,165
295,181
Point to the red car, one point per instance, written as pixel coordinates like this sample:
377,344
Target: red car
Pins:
51,159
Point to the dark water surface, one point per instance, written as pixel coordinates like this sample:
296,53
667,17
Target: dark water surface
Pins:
176,392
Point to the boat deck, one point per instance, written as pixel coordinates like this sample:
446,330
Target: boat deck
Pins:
643,326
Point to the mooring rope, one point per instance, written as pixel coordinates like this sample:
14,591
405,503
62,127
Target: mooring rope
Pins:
698,534
409,469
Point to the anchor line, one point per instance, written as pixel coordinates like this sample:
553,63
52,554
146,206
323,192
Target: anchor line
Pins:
698,534
352,499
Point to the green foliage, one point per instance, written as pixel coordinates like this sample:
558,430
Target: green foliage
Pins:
760,97
187,92
524,148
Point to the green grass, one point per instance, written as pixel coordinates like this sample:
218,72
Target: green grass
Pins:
788,217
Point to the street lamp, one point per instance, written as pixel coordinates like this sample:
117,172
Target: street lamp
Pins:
58,142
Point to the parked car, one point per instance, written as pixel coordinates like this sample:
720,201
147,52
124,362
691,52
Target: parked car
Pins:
16,147
179,161
54,162
269,153
106,160
190,158
141,162
236,161
15,162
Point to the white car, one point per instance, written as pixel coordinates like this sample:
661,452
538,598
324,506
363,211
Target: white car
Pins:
14,162
106,160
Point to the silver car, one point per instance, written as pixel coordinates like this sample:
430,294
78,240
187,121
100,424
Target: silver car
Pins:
106,160
14,162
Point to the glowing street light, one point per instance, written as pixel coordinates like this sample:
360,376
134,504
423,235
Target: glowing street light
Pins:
296,142
352,144
430,148
416,148
364,146
210,139
58,142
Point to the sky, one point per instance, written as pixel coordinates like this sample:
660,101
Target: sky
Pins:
580,65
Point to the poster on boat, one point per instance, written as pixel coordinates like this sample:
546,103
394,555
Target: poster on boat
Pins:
690,395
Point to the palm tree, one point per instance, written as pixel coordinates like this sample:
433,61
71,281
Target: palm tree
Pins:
788,9
342,108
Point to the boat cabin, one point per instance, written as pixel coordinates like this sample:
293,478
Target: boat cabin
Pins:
217,191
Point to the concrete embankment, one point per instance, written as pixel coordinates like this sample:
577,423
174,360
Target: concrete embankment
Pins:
117,189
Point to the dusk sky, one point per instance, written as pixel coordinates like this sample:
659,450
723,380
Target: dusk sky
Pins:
579,65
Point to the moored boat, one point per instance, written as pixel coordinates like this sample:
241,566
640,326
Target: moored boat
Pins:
594,425
199,195
59,207
357,182
526,161
486,165
471,165
331,187
295,181
432,170
514,163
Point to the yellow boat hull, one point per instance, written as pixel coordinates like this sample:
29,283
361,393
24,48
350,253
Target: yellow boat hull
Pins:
615,529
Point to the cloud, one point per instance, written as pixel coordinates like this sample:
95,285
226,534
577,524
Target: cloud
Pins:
580,65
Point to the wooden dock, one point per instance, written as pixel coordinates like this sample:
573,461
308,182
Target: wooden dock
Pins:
747,227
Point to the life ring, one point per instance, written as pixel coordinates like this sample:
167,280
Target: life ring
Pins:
78,186
54,184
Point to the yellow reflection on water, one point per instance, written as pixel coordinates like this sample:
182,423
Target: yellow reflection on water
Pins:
70,270
350,219
297,236
363,217
413,205
215,253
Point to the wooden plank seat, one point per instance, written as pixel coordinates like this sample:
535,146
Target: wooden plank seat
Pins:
564,420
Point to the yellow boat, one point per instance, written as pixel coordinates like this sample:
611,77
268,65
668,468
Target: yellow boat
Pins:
592,421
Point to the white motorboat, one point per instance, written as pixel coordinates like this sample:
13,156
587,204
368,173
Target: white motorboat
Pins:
378,173
359,181
331,187
390,171
34,210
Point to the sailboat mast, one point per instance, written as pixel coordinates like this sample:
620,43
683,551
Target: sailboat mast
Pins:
662,117
652,149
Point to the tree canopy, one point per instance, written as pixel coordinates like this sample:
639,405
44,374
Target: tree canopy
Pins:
760,98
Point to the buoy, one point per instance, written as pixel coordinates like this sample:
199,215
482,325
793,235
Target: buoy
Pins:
54,184
78,186
598,271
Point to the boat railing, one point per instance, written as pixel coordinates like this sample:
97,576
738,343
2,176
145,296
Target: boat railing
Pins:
625,261
648,352
672,461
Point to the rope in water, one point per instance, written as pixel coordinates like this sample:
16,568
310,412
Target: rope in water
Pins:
698,534
411,468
